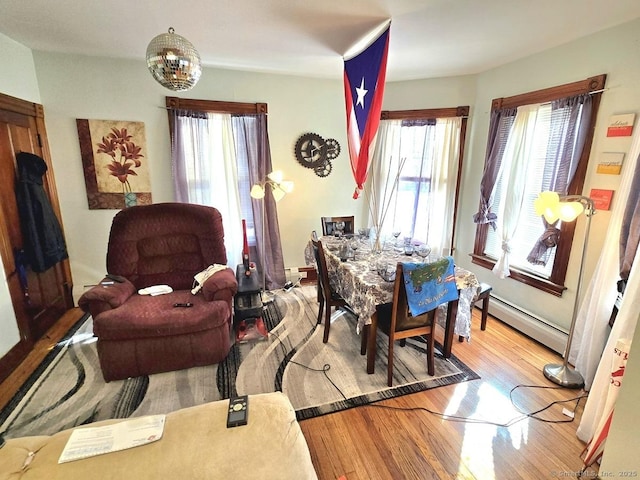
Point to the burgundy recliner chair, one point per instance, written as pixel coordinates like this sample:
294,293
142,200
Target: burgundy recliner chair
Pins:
162,244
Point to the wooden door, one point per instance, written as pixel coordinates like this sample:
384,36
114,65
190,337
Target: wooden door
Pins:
48,294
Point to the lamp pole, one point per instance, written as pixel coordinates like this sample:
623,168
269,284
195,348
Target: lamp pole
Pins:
563,374
264,297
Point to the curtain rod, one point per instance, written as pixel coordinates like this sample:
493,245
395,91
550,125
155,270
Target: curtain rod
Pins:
201,111
590,93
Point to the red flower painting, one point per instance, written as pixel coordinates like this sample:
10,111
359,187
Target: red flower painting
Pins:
125,155
115,163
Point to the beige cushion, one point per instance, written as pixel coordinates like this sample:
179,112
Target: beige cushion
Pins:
196,445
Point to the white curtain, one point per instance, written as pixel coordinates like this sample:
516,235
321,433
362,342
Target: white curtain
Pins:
384,169
592,328
442,155
513,175
592,348
205,172
444,177
623,329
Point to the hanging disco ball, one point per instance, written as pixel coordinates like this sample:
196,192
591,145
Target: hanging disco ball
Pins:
173,61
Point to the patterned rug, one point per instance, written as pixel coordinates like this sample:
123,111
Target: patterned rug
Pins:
68,390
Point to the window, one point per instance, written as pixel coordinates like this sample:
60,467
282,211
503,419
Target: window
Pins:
219,150
537,141
421,150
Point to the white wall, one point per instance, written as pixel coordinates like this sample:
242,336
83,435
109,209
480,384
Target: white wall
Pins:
18,79
9,333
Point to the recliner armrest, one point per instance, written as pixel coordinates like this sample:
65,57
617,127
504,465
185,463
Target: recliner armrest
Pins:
106,297
220,286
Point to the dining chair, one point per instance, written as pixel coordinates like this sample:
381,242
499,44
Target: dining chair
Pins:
395,320
314,238
327,296
329,223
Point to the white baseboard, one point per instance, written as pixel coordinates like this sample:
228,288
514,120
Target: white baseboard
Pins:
529,324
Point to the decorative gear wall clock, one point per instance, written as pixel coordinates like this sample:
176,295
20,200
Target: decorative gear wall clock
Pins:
314,152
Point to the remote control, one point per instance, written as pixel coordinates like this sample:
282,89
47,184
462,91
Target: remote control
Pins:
238,411
185,305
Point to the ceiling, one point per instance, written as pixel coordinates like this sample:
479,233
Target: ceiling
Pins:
429,38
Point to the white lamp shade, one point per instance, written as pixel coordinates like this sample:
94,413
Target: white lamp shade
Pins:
551,215
569,211
276,176
549,205
287,186
278,194
545,202
257,192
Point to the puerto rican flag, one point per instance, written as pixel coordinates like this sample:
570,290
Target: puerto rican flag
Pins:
364,76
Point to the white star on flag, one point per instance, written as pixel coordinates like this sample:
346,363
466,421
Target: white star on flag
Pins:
361,93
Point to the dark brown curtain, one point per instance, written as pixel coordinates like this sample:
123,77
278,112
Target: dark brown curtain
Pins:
499,127
570,119
630,231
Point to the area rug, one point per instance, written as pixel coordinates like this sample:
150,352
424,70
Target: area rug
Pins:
68,389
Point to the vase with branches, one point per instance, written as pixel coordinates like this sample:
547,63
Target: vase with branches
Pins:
379,200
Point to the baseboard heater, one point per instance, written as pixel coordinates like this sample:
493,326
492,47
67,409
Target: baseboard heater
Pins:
301,275
528,323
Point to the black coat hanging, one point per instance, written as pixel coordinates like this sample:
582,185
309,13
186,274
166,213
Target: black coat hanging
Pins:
43,239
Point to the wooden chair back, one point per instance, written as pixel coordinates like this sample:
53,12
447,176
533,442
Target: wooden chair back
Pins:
321,263
395,320
327,297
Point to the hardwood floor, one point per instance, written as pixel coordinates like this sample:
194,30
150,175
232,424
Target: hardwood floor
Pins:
370,443
405,441
14,381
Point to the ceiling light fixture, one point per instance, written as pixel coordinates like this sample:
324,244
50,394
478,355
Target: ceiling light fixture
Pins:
173,61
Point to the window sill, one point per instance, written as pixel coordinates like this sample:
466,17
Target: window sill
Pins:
521,276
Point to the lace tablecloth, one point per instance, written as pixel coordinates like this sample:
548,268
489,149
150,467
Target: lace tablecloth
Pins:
358,282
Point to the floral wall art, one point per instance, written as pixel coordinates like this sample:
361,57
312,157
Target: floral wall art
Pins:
116,169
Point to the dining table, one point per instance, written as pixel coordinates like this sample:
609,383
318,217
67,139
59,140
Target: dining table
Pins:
353,267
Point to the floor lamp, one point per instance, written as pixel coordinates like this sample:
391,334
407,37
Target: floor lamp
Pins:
279,188
566,208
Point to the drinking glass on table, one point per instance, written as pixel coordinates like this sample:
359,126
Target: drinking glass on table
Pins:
354,244
387,271
423,251
396,233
